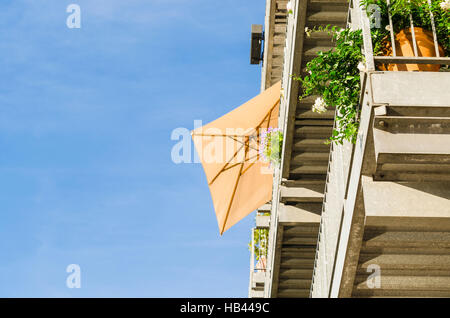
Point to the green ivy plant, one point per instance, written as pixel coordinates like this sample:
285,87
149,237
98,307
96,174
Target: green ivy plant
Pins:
260,241
334,76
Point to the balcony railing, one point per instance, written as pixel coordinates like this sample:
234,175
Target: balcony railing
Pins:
342,222
258,255
358,19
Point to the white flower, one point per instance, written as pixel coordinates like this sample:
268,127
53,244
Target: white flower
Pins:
289,7
339,33
361,67
319,106
445,5
388,28
308,32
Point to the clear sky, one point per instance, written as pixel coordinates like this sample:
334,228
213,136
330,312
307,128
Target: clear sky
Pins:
86,175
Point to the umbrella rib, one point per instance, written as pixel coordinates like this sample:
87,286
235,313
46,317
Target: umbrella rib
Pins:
268,113
232,198
238,141
268,123
234,193
226,164
237,164
248,167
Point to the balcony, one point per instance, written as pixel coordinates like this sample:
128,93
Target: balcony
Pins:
300,182
339,213
387,197
258,252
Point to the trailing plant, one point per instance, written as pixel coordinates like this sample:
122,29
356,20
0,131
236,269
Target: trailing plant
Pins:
289,7
271,145
260,241
334,76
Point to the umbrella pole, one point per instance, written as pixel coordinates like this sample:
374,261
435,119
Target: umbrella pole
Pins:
268,116
234,191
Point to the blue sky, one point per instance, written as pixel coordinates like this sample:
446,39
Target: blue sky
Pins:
86,175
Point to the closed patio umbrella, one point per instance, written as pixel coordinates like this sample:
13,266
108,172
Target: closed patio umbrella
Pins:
228,148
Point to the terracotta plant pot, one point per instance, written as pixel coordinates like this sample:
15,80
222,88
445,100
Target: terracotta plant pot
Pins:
405,47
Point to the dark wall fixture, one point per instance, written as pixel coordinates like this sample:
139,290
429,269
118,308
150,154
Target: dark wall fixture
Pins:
256,55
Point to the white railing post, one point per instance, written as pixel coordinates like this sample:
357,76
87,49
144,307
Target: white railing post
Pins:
252,262
433,28
413,33
391,28
367,38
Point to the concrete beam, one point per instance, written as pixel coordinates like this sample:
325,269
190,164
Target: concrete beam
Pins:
262,221
386,142
292,215
266,208
406,199
412,124
411,88
307,193
352,228
258,278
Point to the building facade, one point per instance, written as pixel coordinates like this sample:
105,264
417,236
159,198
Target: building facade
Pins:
364,219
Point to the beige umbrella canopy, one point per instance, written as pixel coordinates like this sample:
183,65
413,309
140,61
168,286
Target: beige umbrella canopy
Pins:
228,148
